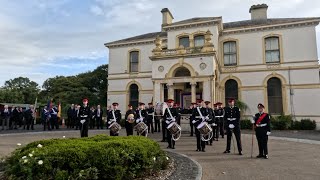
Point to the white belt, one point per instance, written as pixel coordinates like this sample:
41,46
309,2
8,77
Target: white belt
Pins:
231,119
261,125
150,114
199,117
84,116
219,116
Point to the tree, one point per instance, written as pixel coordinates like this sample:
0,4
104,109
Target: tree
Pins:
20,90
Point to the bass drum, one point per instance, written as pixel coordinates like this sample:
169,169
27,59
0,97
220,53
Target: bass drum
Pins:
160,108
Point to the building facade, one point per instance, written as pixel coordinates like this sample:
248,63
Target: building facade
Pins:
273,61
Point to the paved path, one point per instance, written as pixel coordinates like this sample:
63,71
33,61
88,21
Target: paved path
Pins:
288,160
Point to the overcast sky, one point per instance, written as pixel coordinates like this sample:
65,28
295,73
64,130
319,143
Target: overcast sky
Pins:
44,38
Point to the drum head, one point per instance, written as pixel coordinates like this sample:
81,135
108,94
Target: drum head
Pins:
170,125
201,125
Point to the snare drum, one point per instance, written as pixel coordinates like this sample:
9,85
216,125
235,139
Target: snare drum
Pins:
141,127
204,128
115,127
174,128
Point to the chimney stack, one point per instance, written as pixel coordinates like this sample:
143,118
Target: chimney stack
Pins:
166,17
258,12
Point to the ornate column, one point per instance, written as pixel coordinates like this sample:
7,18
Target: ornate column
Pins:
193,91
206,91
170,91
157,90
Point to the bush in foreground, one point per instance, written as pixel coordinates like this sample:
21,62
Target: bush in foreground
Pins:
99,157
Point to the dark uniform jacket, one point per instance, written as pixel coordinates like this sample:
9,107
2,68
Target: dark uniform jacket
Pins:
264,123
28,115
117,114
85,113
150,111
210,114
167,116
70,113
217,113
143,116
196,115
232,116
98,115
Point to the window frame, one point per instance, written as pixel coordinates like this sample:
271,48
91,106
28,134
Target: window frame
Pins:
136,101
266,51
225,89
130,61
230,53
194,40
281,95
181,37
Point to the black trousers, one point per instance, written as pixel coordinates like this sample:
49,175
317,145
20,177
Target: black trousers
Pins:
92,123
171,143
46,124
216,130
192,129
29,123
99,123
114,134
69,122
262,138
237,133
77,123
164,127
156,124
129,128
84,129
221,127
54,123
150,124
201,145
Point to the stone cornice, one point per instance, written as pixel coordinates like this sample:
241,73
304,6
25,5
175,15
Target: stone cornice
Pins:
192,25
227,70
132,43
175,56
269,27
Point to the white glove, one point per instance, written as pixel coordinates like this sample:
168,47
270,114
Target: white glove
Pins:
167,121
138,120
268,133
214,124
231,126
252,121
82,121
174,120
206,118
194,121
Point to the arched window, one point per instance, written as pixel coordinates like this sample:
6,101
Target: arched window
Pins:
272,50
199,41
182,72
184,41
231,89
134,61
275,96
230,53
134,95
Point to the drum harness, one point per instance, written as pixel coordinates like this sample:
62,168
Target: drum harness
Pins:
210,135
173,121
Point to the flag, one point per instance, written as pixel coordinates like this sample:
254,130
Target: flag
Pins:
34,111
49,105
59,110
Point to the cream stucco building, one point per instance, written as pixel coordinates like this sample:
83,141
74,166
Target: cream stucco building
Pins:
273,61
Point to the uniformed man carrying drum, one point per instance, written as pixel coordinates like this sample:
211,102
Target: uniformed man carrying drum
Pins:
170,115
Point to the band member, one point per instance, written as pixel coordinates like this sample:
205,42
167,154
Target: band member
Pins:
114,115
219,117
163,128
85,115
92,122
45,118
261,121
6,114
156,122
178,108
150,112
210,115
54,118
29,116
15,118
70,115
232,115
141,116
193,105
77,117
198,116
170,115
98,117
129,124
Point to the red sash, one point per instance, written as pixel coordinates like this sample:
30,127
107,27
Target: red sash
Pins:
261,118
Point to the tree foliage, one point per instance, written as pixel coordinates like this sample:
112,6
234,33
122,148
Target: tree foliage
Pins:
67,90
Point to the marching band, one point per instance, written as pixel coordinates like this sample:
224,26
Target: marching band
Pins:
207,123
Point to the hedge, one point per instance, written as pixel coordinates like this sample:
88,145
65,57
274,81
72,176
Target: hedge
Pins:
99,157
284,122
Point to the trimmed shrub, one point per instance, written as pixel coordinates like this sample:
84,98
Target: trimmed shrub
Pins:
308,124
245,124
99,157
282,122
